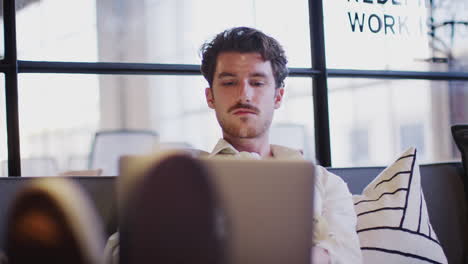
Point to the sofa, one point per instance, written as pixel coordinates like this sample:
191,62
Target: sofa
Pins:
442,184
443,188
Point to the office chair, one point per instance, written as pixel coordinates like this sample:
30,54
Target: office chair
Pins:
108,146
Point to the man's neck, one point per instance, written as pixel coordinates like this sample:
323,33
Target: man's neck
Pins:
260,145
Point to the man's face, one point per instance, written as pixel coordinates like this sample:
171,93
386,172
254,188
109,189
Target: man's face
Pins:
243,94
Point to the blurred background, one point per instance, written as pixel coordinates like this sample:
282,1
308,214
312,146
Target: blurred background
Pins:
371,120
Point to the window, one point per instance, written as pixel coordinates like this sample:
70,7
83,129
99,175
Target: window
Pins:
150,31
398,114
359,154
389,75
58,116
293,123
171,106
397,35
2,41
3,129
413,135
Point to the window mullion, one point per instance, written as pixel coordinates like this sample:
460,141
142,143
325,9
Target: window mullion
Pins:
320,90
11,89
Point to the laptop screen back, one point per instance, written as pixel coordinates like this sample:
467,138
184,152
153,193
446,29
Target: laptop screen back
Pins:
268,209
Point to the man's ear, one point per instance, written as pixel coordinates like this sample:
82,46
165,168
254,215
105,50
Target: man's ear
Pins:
279,92
209,97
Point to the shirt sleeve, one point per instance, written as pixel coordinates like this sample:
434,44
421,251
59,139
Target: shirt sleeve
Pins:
111,251
337,210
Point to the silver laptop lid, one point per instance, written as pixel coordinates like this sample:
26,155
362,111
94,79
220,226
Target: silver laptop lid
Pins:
268,207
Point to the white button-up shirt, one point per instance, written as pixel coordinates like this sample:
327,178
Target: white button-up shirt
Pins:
334,215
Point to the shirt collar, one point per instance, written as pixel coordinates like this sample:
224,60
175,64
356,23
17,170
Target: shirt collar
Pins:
223,147
279,152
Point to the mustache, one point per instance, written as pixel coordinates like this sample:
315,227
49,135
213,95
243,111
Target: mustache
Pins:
243,106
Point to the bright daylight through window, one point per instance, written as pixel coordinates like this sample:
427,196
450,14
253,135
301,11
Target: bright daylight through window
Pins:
371,118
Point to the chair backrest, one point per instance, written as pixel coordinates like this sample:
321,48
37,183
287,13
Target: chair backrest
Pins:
38,166
109,146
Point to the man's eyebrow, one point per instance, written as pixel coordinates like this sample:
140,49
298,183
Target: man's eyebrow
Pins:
258,74
226,74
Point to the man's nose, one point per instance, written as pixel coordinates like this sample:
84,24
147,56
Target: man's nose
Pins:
245,91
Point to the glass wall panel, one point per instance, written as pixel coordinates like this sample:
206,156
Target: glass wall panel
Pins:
373,120
293,124
417,35
3,129
153,31
449,34
60,114
57,30
2,34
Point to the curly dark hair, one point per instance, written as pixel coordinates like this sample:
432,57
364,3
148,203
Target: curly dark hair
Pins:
244,39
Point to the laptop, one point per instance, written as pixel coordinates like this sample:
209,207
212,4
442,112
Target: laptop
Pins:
268,207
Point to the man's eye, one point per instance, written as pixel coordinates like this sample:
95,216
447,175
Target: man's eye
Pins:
229,83
258,83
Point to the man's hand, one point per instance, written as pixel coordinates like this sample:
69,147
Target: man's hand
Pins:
320,256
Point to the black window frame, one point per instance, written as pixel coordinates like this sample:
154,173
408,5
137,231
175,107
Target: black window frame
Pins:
319,72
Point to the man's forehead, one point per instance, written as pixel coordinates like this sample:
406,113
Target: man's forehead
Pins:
234,63
241,55
225,74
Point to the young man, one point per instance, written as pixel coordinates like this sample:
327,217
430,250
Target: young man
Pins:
245,70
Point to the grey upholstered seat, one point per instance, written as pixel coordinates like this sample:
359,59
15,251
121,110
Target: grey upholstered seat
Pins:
447,207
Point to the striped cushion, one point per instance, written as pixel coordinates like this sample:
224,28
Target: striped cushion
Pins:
393,224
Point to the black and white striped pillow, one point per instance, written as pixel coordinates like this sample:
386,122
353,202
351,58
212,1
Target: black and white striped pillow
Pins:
393,223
